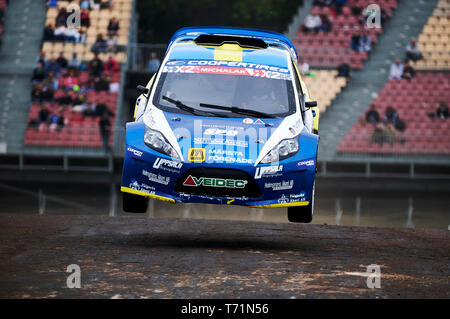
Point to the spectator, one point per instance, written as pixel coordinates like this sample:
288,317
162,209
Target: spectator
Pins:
100,45
372,116
43,114
338,4
70,80
111,43
54,67
344,69
85,20
408,71
74,63
51,81
365,41
442,111
396,70
62,60
378,134
38,73
326,24
303,67
57,121
413,52
101,109
49,33
61,18
71,35
313,22
153,63
95,4
59,33
65,99
36,93
84,4
105,131
82,33
355,41
42,59
390,116
111,65
101,84
96,67
113,27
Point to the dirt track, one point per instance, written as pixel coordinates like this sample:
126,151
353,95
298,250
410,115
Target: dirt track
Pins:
177,258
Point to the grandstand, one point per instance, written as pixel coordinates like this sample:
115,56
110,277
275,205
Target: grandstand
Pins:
434,41
78,129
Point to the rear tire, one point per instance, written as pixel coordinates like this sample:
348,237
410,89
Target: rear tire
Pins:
134,203
302,214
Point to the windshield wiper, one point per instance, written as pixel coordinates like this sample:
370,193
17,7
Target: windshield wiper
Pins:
238,110
184,107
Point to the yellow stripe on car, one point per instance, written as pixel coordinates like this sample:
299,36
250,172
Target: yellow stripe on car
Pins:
283,205
141,193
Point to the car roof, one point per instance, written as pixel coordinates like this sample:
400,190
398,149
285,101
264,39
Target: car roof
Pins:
273,39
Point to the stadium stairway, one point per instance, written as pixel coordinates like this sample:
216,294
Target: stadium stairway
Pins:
407,22
21,44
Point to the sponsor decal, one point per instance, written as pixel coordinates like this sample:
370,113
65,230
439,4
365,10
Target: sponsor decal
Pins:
140,187
134,152
283,199
220,141
265,171
305,164
280,186
259,121
292,198
156,178
219,155
168,165
196,154
247,121
216,131
236,64
214,182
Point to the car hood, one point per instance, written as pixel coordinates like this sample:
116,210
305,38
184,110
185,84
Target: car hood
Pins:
243,140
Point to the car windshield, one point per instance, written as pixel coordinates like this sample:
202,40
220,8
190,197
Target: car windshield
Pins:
225,90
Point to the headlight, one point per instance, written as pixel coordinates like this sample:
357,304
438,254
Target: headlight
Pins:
155,140
285,149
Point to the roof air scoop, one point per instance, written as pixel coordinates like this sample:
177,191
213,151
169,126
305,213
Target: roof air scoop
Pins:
218,40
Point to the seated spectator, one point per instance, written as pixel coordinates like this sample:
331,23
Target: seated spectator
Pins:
65,99
54,67
111,65
36,93
83,35
344,69
390,116
43,115
408,71
60,33
70,80
365,42
100,45
49,33
101,84
442,111
111,43
338,4
95,4
355,41
85,20
396,70
62,60
51,81
71,35
113,27
372,116
84,4
38,73
96,67
89,110
61,18
413,52
74,63
326,24
57,121
303,67
153,63
313,22
42,59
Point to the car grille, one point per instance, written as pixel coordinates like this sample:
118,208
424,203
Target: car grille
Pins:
217,182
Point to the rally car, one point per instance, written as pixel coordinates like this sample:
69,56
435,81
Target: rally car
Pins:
225,120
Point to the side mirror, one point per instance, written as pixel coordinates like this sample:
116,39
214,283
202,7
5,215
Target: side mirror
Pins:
310,104
142,89
313,113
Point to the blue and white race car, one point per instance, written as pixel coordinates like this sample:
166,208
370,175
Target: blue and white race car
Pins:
225,120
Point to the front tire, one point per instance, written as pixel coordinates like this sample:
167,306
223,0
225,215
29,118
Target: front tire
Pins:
302,214
134,203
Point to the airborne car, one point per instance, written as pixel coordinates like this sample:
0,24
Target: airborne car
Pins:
225,120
